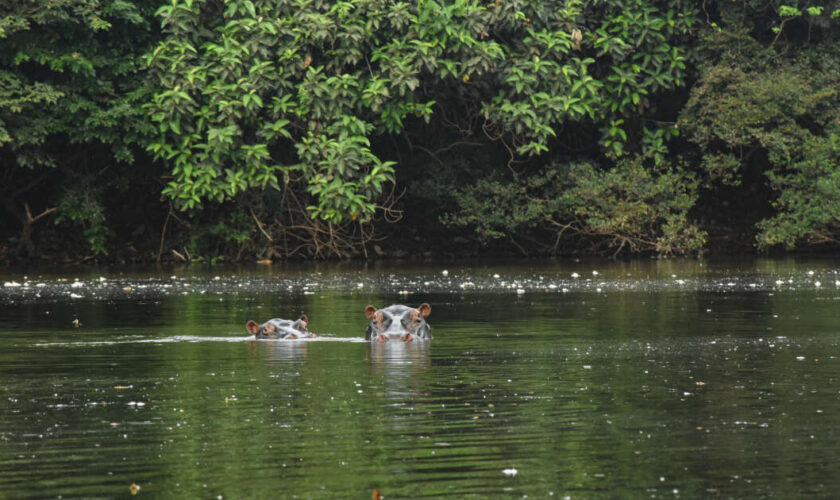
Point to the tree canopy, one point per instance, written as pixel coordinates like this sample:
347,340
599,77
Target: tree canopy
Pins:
206,129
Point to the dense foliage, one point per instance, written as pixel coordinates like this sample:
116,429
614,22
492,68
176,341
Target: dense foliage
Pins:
72,84
201,129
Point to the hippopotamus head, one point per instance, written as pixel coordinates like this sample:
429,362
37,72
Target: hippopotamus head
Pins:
280,328
398,322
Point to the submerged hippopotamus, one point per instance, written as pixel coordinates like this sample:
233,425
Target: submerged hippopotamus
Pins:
280,329
398,322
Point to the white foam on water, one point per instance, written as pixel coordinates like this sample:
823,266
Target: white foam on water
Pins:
194,339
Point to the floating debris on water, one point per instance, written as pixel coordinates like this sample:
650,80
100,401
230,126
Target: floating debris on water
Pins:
302,283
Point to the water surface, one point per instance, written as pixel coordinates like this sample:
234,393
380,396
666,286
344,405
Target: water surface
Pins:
544,379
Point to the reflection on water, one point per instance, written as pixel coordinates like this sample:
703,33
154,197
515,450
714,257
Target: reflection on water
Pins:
401,357
634,379
401,368
283,350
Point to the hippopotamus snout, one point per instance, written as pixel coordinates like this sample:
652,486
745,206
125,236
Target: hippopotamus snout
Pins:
398,322
280,328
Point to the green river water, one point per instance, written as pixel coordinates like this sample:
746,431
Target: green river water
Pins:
545,379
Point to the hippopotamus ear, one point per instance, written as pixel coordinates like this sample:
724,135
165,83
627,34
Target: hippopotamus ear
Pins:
425,309
252,327
370,311
301,323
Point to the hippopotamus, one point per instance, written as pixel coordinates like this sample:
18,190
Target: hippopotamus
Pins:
280,328
398,322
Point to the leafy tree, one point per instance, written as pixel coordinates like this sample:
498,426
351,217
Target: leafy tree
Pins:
767,102
295,96
278,128
71,81
629,207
